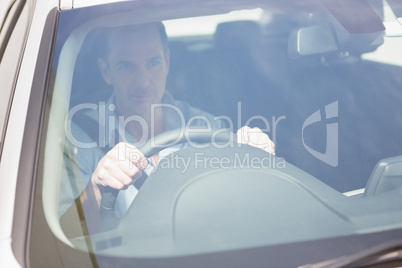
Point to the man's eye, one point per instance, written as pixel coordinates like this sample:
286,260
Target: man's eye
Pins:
154,62
125,67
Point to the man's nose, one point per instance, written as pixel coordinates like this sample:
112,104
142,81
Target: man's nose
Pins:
142,79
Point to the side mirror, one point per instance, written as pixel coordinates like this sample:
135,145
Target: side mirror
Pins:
386,176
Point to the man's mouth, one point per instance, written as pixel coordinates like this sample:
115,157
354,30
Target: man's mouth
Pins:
141,97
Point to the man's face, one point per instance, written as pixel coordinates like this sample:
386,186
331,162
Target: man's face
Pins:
136,66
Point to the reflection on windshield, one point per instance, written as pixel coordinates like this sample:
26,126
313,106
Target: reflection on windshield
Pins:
313,100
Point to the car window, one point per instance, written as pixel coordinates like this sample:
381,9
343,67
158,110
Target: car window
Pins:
309,75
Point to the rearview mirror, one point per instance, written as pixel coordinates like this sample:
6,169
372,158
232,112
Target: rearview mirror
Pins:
317,39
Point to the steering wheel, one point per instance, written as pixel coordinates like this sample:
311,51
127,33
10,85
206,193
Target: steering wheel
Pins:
162,141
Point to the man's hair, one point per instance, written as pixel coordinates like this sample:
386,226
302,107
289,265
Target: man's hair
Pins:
104,33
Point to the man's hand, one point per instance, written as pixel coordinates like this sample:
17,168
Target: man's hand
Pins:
118,169
255,137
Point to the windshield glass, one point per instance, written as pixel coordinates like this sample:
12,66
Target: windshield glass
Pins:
311,88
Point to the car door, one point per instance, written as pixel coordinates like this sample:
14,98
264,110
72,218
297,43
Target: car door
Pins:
13,18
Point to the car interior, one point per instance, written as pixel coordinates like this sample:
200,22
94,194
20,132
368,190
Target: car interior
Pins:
271,70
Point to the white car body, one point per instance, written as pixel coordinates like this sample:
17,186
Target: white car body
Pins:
17,72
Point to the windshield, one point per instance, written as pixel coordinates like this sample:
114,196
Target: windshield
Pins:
314,86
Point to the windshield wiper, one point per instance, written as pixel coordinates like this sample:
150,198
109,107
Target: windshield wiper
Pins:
389,253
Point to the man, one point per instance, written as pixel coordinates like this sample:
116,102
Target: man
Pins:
135,62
